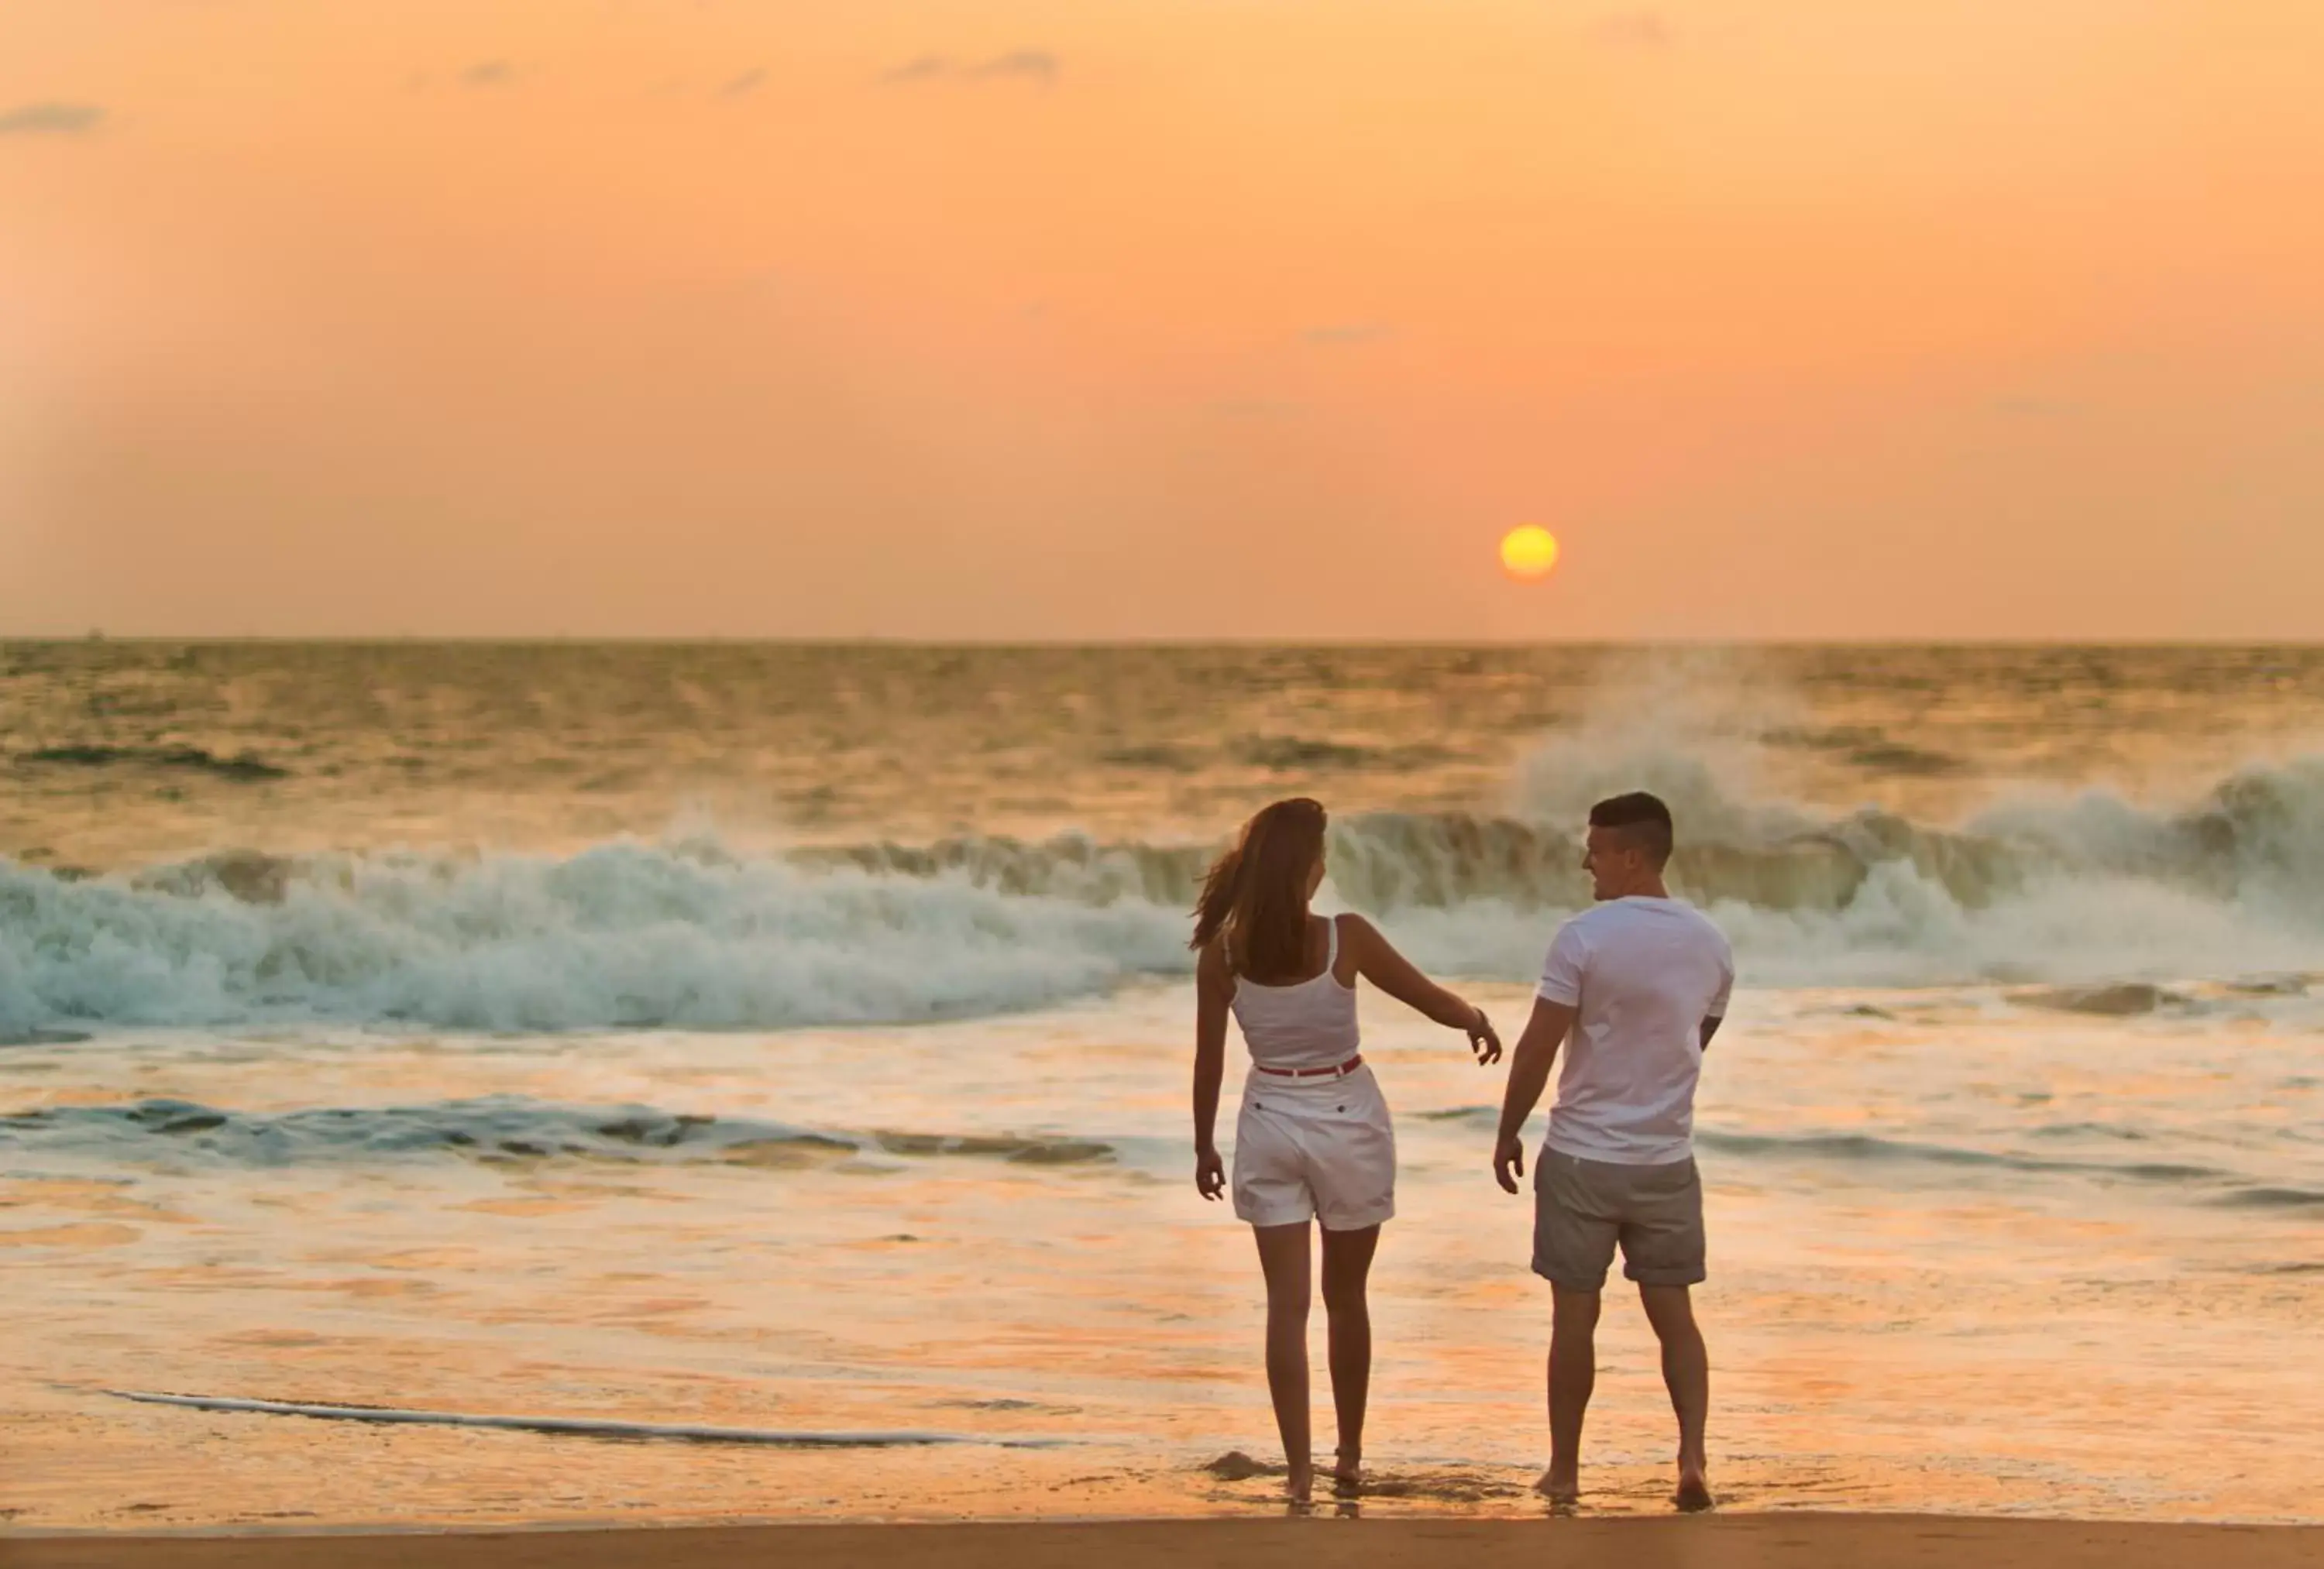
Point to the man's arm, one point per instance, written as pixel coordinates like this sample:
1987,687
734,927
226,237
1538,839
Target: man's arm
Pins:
1716,1013
1536,1053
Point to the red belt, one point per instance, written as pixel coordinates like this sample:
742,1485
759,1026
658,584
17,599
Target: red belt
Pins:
1341,1071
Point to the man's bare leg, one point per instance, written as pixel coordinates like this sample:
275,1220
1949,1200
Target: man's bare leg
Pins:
1573,1374
1283,1257
1347,1263
1686,1370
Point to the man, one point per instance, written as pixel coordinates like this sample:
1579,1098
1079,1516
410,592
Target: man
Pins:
1641,982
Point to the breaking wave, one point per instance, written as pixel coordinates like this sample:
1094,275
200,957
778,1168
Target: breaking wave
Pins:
518,1131
499,1130
622,936
2087,889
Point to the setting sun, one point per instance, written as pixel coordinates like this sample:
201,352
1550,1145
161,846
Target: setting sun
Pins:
1528,553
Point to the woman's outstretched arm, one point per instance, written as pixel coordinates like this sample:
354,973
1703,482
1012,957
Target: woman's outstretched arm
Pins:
1379,962
1213,988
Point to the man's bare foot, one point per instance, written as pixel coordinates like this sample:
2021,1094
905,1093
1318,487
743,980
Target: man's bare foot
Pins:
1348,1474
1563,1492
1694,1494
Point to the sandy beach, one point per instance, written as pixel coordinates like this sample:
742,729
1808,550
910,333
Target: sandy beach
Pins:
1734,1541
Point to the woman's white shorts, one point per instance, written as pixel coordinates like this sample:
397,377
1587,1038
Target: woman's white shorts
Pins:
1321,1148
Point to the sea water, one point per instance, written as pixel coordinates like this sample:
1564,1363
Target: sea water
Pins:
794,1042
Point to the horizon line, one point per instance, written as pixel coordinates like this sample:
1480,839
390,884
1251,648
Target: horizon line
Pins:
874,640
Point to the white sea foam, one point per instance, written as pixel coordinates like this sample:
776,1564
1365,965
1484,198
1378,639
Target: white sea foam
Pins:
622,935
691,935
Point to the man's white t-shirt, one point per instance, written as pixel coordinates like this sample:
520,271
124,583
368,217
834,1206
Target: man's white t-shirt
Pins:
1642,975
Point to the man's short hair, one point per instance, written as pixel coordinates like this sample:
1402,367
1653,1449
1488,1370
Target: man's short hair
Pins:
1643,820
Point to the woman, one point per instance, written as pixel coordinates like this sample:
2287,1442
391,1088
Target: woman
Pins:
1313,1140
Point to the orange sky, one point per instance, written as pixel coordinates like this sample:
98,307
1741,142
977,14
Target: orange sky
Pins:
1253,318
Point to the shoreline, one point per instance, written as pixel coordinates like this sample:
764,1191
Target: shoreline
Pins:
1761,1541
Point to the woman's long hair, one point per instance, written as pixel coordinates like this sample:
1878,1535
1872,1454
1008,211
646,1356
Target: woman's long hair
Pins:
1255,895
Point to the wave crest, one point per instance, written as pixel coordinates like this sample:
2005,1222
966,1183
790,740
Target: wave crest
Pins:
622,936
2068,890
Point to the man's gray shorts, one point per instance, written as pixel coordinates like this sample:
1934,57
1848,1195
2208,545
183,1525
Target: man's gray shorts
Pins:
1582,1208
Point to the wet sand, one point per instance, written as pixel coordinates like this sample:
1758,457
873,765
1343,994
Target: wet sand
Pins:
1727,1542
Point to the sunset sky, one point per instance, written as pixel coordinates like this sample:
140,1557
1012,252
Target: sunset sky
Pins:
1178,318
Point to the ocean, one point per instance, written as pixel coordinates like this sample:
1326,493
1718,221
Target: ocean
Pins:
788,1045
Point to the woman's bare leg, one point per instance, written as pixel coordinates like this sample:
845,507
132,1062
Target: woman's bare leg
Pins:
1283,1255
1347,1263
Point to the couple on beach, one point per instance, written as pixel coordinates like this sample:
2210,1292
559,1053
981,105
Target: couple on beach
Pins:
1633,989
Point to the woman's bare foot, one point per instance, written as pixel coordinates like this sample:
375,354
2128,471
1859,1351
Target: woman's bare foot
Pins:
1563,1492
1348,1474
1299,1484
1694,1494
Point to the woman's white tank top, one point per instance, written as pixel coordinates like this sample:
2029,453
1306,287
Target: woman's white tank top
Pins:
1309,1024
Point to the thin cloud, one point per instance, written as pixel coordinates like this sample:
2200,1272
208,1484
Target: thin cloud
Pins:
1036,66
749,82
1345,335
928,67
51,119
1032,65
488,73
1646,31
